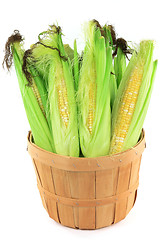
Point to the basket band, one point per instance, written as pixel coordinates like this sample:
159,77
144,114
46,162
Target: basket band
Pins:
88,202
86,164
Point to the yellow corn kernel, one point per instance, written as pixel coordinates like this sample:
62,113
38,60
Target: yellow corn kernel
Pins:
63,101
92,106
126,110
38,97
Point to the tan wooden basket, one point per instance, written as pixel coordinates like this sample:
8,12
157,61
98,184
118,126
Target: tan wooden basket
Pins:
87,193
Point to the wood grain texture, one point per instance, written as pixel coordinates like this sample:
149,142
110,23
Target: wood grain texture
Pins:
84,194
62,188
122,186
82,185
46,180
133,179
106,185
39,182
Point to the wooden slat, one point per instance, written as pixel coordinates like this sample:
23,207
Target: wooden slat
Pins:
82,186
45,175
104,215
37,173
106,183
87,218
133,180
130,202
62,188
120,210
44,201
135,171
39,182
122,186
74,187
52,209
46,180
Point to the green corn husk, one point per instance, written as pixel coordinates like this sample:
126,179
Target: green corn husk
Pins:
119,65
76,66
134,133
94,94
69,52
43,66
143,64
86,105
37,80
106,30
113,86
38,123
61,93
42,70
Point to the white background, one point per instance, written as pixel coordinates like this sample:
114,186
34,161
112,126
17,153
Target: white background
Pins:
22,215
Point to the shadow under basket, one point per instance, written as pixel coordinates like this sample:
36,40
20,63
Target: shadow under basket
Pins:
87,193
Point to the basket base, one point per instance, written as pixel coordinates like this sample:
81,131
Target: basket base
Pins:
71,217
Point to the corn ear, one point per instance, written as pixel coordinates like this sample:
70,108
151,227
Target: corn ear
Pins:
61,93
39,126
94,95
133,135
130,99
37,82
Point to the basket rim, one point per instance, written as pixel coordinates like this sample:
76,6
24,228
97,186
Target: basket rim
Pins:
86,164
142,137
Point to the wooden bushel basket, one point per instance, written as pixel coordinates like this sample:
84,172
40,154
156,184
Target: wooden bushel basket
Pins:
87,193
